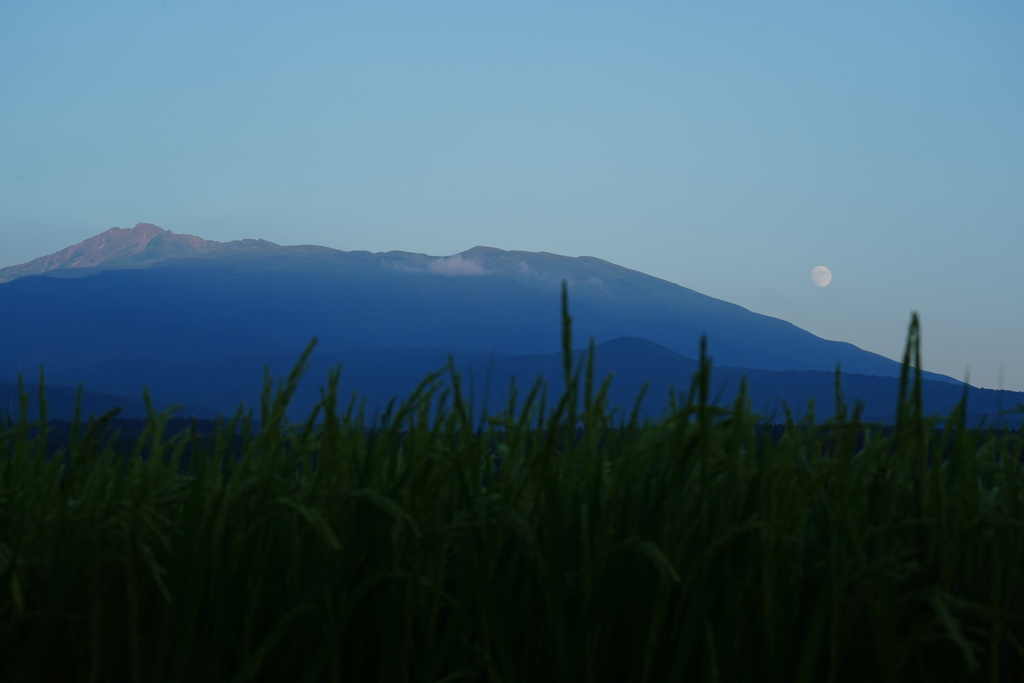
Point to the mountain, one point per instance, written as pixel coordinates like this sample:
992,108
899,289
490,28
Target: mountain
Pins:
197,321
276,298
143,245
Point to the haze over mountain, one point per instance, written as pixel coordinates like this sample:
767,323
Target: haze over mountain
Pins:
197,321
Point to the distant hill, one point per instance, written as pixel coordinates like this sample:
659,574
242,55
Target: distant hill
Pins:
61,402
375,376
197,322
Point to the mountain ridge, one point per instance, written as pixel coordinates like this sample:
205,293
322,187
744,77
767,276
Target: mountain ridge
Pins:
140,246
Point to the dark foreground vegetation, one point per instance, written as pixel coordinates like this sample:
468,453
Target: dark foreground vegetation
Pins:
549,541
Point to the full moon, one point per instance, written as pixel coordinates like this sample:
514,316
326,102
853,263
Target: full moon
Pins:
821,276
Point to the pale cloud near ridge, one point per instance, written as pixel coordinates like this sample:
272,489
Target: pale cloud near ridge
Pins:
455,266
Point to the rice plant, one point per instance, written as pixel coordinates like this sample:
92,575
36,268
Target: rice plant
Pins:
552,540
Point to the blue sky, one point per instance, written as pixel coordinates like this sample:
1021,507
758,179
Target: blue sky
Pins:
727,147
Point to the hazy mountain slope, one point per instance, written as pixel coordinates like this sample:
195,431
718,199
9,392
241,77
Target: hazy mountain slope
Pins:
61,402
142,245
377,375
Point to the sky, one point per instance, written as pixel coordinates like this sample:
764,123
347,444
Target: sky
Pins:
727,147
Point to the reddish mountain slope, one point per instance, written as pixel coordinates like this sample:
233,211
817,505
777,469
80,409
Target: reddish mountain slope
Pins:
120,248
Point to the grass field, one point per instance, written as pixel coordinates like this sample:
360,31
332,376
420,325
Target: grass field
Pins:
549,541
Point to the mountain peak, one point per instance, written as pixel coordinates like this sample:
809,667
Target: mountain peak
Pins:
145,228
141,246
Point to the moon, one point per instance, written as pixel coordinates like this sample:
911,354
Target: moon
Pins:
821,276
